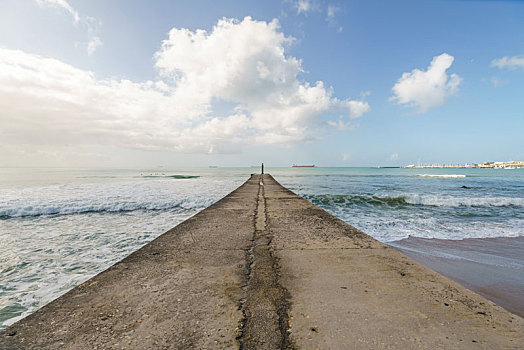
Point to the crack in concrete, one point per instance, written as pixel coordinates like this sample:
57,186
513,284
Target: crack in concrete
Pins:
265,322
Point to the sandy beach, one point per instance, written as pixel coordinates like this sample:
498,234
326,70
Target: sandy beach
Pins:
492,267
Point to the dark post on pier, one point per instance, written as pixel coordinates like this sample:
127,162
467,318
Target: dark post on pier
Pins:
262,172
265,269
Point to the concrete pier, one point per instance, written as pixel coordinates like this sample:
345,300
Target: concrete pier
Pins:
265,269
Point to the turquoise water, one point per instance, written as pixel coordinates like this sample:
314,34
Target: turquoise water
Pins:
59,227
392,204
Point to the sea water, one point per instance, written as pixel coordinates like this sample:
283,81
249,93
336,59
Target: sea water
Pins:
393,204
59,227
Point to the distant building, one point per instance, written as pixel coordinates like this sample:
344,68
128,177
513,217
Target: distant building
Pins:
514,164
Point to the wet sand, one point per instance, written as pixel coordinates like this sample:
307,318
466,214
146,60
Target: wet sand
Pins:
492,267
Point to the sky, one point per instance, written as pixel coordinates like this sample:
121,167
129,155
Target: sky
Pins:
122,83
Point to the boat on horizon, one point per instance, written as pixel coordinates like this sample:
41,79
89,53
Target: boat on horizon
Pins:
302,166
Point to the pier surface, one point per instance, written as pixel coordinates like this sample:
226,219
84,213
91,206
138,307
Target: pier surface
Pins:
265,269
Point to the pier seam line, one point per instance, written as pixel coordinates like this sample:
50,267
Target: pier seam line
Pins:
285,303
259,326
241,330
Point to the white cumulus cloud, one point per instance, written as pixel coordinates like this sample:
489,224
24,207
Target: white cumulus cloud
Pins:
240,63
342,125
513,62
427,89
356,108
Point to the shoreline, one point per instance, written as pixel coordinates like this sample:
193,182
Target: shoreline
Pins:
491,267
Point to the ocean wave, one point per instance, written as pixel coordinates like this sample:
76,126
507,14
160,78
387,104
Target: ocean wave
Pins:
440,175
112,197
83,208
405,200
451,201
347,200
390,226
172,176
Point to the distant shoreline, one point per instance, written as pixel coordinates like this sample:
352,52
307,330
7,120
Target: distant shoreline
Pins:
514,164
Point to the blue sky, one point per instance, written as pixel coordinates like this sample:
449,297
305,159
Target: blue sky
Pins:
108,93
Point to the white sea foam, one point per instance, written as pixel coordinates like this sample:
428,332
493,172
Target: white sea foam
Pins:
43,256
403,199
119,197
389,228
79,208
452,201
440,175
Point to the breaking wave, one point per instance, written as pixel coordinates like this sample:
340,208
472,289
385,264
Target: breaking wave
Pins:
110,197
412,200
347,200
172,176
109,207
